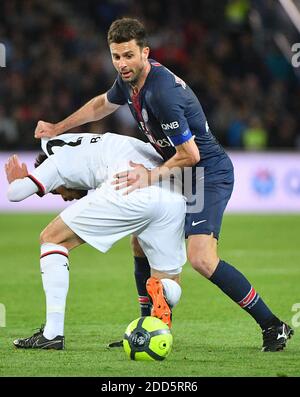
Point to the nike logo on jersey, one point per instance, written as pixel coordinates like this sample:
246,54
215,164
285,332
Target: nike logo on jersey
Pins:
129,102
197,223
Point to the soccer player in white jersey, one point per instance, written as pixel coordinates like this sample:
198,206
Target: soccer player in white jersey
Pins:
77,163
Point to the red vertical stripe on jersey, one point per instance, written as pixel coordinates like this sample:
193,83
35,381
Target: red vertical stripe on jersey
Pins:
137,107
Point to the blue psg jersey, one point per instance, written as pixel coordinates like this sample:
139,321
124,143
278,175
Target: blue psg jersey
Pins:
169,113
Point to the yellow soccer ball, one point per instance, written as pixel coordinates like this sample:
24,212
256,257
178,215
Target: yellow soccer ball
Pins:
147,338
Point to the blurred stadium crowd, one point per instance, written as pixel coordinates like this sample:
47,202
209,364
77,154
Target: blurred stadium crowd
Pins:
58,59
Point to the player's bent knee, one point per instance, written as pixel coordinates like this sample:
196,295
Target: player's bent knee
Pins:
57,232
49,235
46,236
205,265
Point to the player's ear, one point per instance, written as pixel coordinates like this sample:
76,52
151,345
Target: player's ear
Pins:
145,53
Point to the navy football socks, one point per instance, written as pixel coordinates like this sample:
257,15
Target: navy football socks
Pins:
142,273
238,288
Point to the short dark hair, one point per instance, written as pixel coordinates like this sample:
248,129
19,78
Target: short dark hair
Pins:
126,29
40,158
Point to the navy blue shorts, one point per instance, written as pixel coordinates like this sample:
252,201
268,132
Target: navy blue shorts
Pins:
209,220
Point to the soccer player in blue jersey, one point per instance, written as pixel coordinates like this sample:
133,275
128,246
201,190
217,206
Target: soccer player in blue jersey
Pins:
170,115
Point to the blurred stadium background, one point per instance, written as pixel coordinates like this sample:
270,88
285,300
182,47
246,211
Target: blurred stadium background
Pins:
236,55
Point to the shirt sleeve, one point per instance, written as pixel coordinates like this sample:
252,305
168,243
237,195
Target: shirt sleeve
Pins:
169,103
20,189
115,94
46,177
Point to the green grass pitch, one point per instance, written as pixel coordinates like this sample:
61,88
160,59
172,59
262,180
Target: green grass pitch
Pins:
212,335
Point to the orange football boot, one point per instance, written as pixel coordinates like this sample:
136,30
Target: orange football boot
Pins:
160,307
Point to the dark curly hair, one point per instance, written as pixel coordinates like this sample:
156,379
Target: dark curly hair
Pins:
40,158
126,29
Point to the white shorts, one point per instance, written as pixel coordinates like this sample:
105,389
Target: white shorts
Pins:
158,223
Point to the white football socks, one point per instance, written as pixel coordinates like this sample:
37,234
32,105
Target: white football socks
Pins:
55,275
172,291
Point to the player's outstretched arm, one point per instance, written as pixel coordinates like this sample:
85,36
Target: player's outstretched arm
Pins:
22,184
20,187
96,109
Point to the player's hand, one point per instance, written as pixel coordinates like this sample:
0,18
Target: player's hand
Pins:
137,178
14,169
44,129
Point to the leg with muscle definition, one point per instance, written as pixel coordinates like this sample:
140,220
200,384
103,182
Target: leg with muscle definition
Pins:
202,254
57,239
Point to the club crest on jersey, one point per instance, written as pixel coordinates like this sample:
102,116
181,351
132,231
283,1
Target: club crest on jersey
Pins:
145,115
